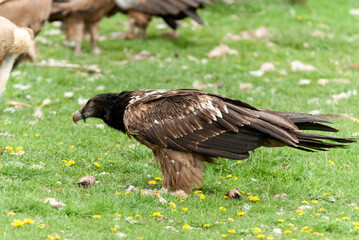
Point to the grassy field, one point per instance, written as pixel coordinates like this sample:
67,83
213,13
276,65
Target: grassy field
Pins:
321,188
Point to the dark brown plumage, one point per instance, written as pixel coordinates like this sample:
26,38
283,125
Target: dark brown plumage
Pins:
140,13
80,17
185,128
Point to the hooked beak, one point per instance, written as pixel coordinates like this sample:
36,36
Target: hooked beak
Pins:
77,117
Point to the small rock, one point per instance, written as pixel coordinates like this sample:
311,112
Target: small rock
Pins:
86,181
234,194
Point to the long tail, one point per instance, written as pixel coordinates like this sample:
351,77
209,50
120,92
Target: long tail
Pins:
313,142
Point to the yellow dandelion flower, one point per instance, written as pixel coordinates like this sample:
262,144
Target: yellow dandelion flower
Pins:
11,213
288,231
202,196
341,213
291,225
222,209
308,231
240,213
138,216
346,218
100,159
72,146
96,216
225,197
130,217
314,201
139,238
185,209
18,149
117,215
198,191
5,123
270,237
304,201
42,225
321,209
106,153
229,176
261,236
232,231
331,162
281,220
301,212
17,223
174,210
235,178
224,235
158,178
152,182
355,223
53,237
239,161
230,219
254,198
256,229
64,161
187,226
29,221
25,135
356,207
173,204
70,163
206,225
304,228
96,164
299,18
114,229
157,214
37,135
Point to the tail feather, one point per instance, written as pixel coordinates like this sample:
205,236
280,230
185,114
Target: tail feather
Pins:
311,141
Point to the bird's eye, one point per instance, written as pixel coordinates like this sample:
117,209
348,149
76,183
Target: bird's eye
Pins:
92,104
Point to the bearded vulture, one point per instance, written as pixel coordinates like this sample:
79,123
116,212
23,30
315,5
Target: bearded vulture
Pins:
14,41
185,128
80,17
140,13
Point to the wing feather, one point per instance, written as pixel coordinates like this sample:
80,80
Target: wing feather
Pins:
193,121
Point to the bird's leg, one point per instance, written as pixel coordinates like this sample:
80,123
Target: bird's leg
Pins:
142,33
94,33
130,33
75,29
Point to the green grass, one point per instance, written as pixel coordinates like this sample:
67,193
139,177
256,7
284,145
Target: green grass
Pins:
40,173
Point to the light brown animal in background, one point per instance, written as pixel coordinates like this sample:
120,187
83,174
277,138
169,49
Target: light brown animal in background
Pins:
80,17
14,41
140,13
27,13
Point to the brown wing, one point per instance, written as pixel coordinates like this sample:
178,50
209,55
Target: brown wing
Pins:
169,10
193,121
96,9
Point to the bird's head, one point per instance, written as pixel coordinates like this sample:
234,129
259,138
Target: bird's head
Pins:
98,106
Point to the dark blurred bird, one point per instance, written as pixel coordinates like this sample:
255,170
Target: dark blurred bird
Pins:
26,13
14,41
140,13
185,128
80,17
